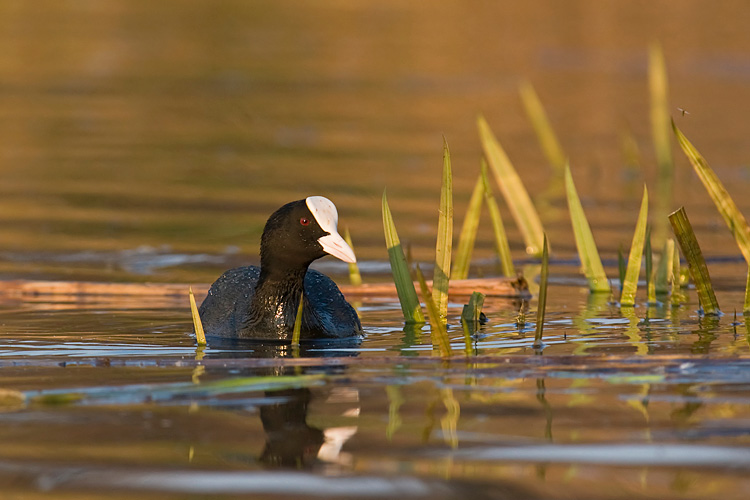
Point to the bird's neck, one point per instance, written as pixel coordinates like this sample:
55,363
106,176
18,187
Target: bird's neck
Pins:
275,302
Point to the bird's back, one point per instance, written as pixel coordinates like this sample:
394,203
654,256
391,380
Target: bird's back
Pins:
227,298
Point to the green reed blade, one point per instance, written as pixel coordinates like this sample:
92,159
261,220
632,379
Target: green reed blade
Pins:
514,192
407,295
746,308
468,338
298,320
661,280
650,285
721,198
439,332
542,302
200,335
355,278
630,285
470,319
621,266
544,132
587,251
677,297
460,270
498,229
473,310
444,245
683,231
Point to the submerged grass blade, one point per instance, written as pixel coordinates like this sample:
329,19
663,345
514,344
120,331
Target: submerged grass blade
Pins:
298,320
460,270
630,285
261,383
544,132
514,192
444,245
355,278
200,335
683,231
542,302
439,332
498,229
407,295
587,251
721,198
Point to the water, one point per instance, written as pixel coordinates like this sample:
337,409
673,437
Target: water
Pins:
150,141
123,401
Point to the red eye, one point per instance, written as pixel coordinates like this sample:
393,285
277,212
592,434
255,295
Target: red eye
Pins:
304,221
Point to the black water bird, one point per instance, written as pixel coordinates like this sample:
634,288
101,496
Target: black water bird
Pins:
261,302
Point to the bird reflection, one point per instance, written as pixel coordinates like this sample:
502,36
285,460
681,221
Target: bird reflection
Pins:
290,441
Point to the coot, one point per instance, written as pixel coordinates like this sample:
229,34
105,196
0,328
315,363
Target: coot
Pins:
261,302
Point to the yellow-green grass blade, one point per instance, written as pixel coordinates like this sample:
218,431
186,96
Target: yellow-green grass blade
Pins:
720,196
355,278
472,311
468,339
514,192
622,267
498,229
664,268
746,308
407,295
298,320
587,251
542,302
439,332
200,335
544,132
444,245
470,319
460,269
677,297
521,316
630,285
683,231
650,284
